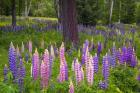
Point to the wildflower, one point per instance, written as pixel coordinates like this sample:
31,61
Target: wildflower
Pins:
35,65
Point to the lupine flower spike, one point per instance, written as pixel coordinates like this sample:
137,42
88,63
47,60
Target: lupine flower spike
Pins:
44,75
12,60
35,65
46,59
5,72
63,74
78,71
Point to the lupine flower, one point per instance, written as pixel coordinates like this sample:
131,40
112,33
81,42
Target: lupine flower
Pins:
78,72
22,48
63,74
47,61
103,84
99,48
5,72
21,69
129,52
90,71
95,61
85,46
124,53
114,55
120,57
12,60
105,68
35,65
44,75
21,75
71,87
133,61
30,46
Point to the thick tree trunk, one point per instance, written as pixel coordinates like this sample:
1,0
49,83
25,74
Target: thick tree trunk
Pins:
13,13
69,20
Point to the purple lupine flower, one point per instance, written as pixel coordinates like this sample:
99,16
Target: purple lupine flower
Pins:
105,68
21,69
114,55
85,46
44,75
35,65
133,62
129,52
30,46
95,61
71,87
120,57
5,72
124,54
21,75
103,84
22,48
63,74
20,84
12,60
78,72
99,48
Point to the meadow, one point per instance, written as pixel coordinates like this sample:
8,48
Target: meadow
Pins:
40,37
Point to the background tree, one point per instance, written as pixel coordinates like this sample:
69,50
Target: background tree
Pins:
69,20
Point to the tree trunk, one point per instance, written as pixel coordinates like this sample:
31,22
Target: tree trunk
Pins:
111,11
13,13
120,4
69,21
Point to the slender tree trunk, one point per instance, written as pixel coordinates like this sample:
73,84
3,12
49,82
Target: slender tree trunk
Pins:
69,20
13,13
120,6
26,8
111,11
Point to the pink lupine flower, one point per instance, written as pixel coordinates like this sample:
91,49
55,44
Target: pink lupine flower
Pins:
46,59
90,71
30,46
63,74
78,72
71,87
44,75
35,65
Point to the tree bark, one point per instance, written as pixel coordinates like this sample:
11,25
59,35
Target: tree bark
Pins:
69,20
13,13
